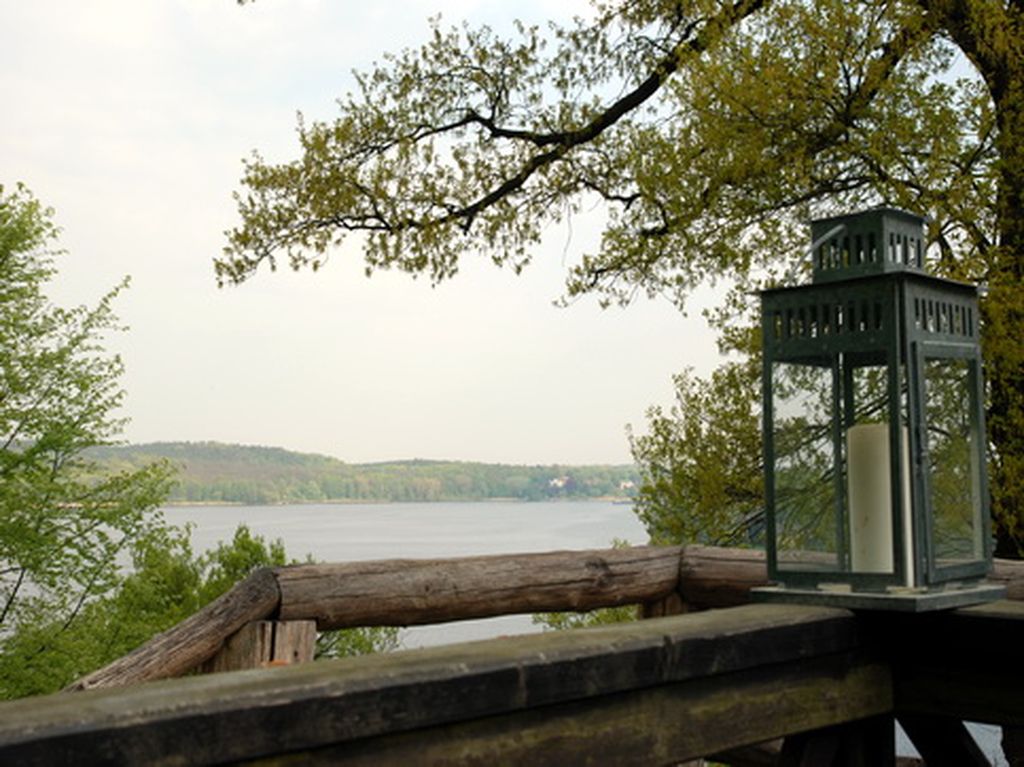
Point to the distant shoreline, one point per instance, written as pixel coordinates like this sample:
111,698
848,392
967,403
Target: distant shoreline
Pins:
216,474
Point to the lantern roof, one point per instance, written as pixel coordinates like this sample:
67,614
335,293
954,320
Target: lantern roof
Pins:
874,241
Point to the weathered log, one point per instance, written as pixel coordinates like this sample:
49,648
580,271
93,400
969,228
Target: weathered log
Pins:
711,576
414,592
194,640
1009,572
408,592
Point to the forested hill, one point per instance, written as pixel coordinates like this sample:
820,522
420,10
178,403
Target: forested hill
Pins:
215,472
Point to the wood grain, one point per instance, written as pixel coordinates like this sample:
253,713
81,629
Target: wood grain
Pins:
193,641
402,592
654,665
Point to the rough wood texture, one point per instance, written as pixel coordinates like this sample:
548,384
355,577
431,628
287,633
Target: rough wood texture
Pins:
406,592
249,647
673,604
265,643
294,642
409,592
193,641
663,725
717,667
1010,573
711,576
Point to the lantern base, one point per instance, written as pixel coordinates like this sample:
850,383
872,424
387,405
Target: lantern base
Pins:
903,601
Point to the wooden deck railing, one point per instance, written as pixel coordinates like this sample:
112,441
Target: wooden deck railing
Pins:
665,690
662,579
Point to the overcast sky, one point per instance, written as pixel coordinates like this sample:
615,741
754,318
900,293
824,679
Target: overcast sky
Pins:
131,117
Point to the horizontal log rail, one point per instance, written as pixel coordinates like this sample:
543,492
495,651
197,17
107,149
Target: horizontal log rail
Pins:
410,592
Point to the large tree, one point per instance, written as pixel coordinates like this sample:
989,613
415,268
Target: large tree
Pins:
711,129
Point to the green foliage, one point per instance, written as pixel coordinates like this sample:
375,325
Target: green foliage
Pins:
710,131
693,121
68,526
600,617
64,526
168,583
701,463
212,472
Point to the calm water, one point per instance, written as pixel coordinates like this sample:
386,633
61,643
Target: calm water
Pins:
347,532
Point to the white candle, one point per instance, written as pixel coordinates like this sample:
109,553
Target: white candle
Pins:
869,493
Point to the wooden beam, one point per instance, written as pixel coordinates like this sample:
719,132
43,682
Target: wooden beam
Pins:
959,664
403,592
701,682
193,641
1009,572
711,576
662,725
868,742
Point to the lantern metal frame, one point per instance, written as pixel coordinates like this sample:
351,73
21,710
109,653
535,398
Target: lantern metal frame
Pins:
872,306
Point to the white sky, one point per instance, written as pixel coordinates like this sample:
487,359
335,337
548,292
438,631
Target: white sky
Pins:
131,117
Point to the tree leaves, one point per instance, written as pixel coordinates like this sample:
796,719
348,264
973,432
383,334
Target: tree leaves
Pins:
62,527
710,130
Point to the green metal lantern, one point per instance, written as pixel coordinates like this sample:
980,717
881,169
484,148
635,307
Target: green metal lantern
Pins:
874,443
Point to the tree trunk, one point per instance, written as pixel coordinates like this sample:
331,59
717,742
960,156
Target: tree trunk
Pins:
1004,320
989,34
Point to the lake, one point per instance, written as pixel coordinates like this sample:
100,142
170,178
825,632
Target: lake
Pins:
361,531
347,532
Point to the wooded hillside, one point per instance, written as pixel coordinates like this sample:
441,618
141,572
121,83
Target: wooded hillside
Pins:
215,472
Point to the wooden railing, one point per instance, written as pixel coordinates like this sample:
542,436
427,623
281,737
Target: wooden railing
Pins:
664,690
270,617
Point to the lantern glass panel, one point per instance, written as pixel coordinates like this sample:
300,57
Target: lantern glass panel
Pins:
869,479
954,470
806,511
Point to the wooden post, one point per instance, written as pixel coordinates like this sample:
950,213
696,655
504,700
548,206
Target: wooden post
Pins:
943,741
193,641
294,642
1013,745
672,604
265,643
865,743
